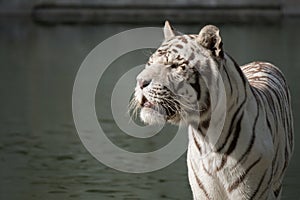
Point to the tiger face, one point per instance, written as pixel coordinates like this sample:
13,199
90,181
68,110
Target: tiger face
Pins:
174,80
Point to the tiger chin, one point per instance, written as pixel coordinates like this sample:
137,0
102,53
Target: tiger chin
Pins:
189,78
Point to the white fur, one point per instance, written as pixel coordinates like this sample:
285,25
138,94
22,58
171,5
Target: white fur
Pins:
151,117
210,178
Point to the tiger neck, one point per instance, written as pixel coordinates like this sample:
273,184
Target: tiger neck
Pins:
216,124
237,87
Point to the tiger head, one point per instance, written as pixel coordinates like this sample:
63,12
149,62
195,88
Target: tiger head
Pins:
173,85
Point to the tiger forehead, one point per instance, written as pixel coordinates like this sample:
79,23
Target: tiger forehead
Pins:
178,48
179,41
167,57
178,44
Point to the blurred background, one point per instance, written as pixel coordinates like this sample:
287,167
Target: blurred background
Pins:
43,43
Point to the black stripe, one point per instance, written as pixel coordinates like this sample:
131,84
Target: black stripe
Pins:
277,191
224,160
270,101
267,186
269,124
239,70
200,184
232,125
274,160
250,145
259,185
206,171
179,46
228,80
205,123
278,94
242,177
235,136
286,161
196,142
196,85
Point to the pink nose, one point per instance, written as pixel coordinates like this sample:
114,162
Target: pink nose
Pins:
143,83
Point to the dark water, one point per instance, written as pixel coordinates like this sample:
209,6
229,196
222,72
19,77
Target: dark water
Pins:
41,156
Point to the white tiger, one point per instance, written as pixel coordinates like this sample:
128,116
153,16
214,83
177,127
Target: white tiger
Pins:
255,143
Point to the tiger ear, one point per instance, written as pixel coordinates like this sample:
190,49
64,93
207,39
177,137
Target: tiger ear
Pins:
168,31
209,37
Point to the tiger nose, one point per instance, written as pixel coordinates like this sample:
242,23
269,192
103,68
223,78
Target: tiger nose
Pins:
143,83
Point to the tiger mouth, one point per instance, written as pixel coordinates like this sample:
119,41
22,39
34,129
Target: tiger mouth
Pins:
145,103
160,108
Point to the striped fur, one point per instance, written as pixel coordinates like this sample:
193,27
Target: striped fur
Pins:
182,81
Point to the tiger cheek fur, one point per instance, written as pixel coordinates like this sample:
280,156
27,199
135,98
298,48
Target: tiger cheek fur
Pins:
255,145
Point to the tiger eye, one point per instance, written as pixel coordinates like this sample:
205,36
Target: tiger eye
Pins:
173,66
